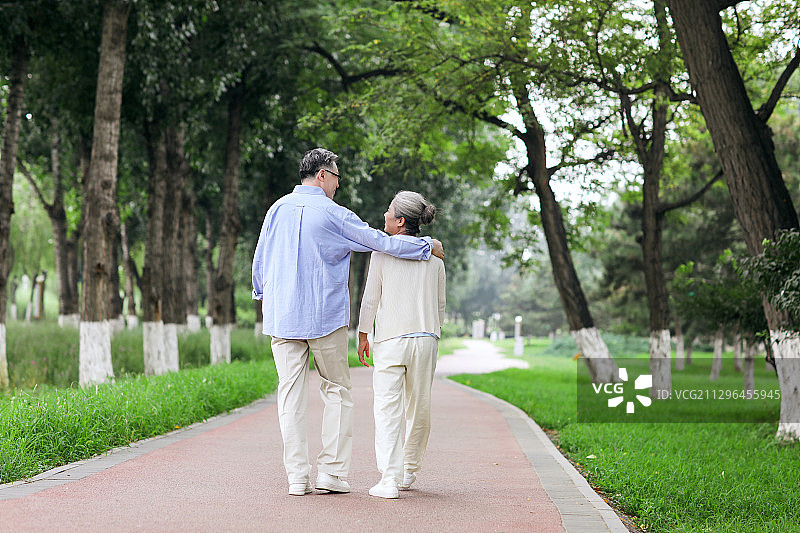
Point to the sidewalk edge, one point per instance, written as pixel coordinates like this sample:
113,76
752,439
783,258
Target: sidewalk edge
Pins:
574,517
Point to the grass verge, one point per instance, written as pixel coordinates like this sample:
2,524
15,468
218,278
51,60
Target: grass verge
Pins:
47,427
678,477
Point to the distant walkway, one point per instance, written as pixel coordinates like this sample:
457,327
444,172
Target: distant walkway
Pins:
478,357
488,468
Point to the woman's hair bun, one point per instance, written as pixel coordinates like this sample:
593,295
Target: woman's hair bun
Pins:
428,214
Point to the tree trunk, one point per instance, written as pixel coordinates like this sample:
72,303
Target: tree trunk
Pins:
652,160
67,292
101,222
12,310
29,306
174,294
116,320
744,146
189,224
737,350
601,367
209,258
152,272
8,162
749,368
131,320
689,348
716,363
679,350
222,309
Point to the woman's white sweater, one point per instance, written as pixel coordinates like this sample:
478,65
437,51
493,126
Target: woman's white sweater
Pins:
403,296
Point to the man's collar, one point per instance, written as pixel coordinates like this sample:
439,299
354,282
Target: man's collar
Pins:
308,189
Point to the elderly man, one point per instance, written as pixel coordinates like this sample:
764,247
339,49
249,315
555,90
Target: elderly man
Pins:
300,270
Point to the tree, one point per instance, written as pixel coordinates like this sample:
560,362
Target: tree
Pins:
721,298
743,143
221,299
65,243
152,271
20,54
101,223
56,138
482,60
640,73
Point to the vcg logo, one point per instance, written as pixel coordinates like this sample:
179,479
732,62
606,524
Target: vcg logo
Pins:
644,381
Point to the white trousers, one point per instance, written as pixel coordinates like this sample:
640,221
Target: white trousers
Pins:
292,362
404,367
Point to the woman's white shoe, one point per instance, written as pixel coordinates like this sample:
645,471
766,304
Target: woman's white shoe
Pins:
384,489
408,479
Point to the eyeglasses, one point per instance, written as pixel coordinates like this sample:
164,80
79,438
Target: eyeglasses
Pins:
332,172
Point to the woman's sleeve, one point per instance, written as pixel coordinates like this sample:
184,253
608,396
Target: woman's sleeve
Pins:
442,292
372,293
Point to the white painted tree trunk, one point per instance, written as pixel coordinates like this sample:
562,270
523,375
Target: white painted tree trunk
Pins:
209,321
737,352
716,363
171,347
131,321
193,323
601,366
69,321
660,363
95,353
749,366
153,347
221,343
12,311
117,324
258,328
4,381
679,352
786,345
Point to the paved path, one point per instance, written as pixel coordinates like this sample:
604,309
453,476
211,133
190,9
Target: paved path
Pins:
488,468
478,357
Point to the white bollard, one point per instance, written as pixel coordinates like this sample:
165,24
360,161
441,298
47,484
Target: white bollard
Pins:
519,346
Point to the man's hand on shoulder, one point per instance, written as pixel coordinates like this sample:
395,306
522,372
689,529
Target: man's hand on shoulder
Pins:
437,249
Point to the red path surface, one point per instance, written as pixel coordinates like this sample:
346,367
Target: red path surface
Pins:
475,477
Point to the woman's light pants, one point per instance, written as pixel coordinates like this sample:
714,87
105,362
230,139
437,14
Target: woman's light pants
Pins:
292,362
404,367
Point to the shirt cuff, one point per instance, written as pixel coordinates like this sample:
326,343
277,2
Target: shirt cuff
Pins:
412,239
257,295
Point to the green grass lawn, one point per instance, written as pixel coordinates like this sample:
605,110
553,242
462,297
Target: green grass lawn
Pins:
720,477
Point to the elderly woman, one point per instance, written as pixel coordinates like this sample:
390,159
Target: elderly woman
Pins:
405,301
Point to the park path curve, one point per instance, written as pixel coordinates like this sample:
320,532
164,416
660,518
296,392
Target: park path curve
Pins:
488,468
477,357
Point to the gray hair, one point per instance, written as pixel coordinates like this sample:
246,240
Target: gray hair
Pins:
314,160
415,209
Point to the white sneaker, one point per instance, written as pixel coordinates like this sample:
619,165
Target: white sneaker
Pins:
384,489
331,483
300,489
408,479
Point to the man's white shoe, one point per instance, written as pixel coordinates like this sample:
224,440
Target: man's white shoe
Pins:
384,489
408,479
331,483
300,489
